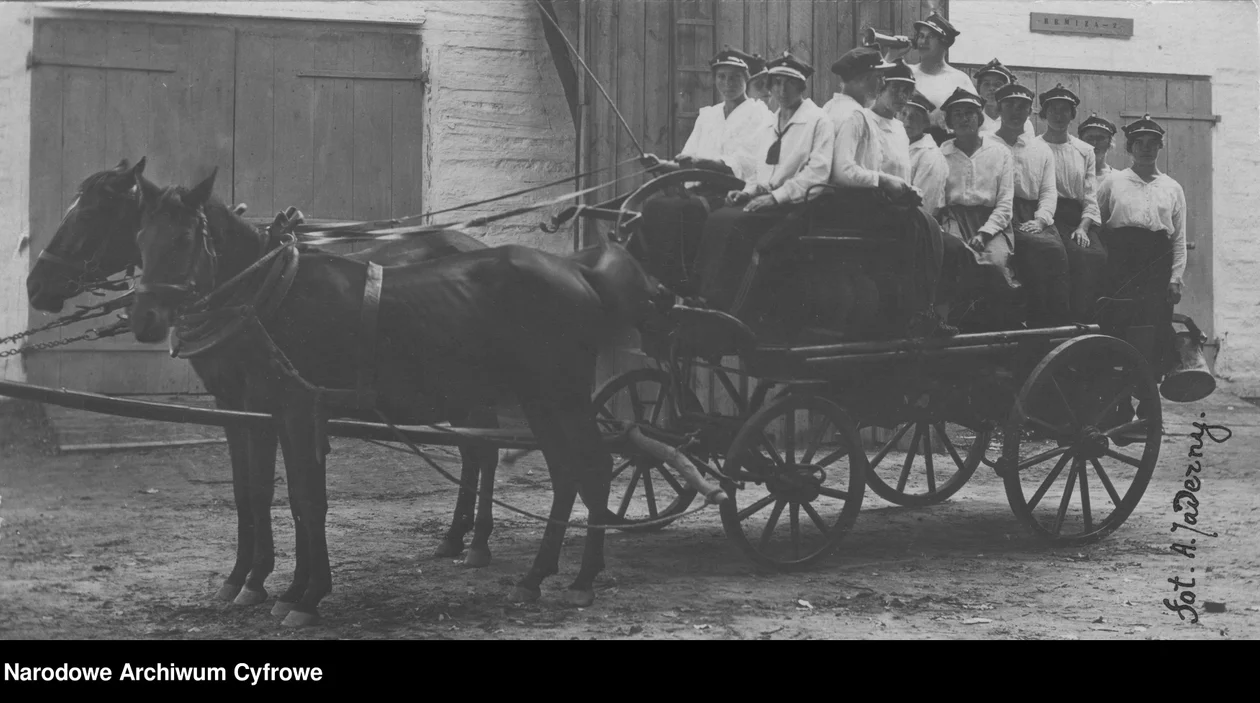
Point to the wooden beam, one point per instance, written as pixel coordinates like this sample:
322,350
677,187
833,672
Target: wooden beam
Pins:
365,75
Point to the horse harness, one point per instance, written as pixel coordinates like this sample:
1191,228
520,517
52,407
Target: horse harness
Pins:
233,309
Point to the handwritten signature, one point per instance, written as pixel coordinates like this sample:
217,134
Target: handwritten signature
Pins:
1187,504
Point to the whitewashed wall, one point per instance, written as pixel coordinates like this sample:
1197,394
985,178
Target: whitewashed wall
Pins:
496,118
1217,38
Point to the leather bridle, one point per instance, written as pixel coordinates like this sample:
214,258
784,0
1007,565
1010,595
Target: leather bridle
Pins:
202,242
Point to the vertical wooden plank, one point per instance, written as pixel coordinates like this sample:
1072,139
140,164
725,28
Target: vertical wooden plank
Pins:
211,56
690,91
294,150
866,14
630,83
126,93
602,138
1180,98
373,121
333,131
846,31
408,127
165,45
729,15
1157,102
757,28
777,28
801,40
254,131
826,48
47,190
1198,301
657,101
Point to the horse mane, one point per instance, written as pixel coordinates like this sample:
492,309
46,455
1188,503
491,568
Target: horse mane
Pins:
98,180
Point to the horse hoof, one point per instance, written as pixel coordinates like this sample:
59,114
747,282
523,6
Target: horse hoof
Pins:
520,594
281,608
477,558
227,592
249,596
448,548
297,618
579,598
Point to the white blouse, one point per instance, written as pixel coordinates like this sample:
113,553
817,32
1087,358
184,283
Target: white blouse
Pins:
1075,176
730,139
928,172
1125,200
867,145
988,125
804,155
1034,175
937,87
986,178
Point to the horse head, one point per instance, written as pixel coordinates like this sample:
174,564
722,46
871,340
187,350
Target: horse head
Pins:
177,254
96,238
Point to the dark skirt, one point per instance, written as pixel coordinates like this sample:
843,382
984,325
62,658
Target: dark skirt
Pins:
668,240
976,271
1086,265
1139,267
730,251
1042,265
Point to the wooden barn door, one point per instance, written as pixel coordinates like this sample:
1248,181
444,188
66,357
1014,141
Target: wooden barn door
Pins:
1183,105
102,91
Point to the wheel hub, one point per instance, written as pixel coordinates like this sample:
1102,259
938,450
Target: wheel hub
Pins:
1091,443
798,483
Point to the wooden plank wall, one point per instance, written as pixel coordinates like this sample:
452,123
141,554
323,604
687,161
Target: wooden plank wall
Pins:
652,57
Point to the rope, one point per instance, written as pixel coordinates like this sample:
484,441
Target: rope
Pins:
591,73
318,238
433,464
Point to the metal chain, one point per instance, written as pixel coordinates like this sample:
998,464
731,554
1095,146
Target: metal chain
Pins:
109,330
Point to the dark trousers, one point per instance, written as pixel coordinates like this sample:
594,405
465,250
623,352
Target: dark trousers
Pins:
1086,265
668,240
1041,262
731,249
1139,267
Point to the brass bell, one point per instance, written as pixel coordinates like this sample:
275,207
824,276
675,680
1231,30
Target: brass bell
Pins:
1191,380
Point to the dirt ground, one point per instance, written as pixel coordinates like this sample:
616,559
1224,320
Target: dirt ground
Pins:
134,545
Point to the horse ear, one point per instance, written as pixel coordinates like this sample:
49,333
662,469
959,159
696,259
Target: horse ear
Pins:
200,193
131,173
149,191
139,167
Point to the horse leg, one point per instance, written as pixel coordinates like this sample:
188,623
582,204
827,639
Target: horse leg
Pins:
304,424
452,545
301,568
591,470
262,483
238,449
487,459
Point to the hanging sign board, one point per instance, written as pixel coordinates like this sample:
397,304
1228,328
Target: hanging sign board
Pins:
1053,23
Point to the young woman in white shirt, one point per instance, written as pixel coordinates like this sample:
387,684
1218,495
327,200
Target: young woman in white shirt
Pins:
935,78
1076,215
1098,132
1144,229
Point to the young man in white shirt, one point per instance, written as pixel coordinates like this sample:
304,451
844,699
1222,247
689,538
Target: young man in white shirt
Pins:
1040,259
1076,215
928,170
935,78
1144,227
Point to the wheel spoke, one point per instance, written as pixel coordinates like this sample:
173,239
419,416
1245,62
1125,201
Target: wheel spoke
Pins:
1123,458
927,458
769,445
1045,485
669,478
617,471
1048,454
1125,390
1067,498
901,432
648,492
949,445
1063,398
1106,482
659,405
774,520
813,515
750,510
607,410
833,493
1054,429
789,438
625,499
1080,470
1129,426
816,441
905,468
636,403
796,530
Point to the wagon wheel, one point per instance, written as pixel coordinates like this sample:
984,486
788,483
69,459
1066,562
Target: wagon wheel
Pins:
926,461
802,474
643,488
632,206
1098,458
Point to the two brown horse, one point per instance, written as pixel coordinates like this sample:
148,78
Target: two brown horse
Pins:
454,335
